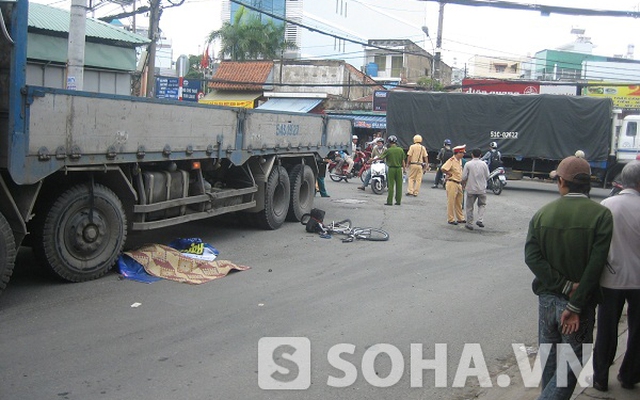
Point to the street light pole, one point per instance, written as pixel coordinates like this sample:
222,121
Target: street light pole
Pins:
426,32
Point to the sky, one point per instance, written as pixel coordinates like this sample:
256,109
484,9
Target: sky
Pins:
466,31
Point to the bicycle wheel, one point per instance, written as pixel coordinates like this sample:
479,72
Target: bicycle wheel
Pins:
372,234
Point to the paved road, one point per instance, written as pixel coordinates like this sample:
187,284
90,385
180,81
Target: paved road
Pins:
431,285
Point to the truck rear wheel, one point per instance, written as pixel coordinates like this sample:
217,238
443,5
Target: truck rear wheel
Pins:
303,190
7,252
276,199
83,235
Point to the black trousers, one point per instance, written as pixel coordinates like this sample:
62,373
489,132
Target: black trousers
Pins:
609,312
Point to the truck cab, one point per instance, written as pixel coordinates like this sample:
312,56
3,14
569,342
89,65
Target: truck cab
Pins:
628,147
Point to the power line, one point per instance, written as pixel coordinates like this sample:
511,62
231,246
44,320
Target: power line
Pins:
316,30
542,9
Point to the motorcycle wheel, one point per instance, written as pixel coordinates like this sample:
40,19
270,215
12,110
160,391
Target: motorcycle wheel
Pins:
496,186
334,176
376,186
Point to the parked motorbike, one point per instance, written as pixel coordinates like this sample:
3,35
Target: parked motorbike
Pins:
497,180
378,180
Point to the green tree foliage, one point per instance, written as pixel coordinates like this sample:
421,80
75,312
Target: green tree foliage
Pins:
430,84
248,38
195,70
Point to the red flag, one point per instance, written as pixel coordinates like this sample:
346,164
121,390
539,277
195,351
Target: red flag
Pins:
204,62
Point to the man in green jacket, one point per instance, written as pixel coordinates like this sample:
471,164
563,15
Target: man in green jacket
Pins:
566,249
395,157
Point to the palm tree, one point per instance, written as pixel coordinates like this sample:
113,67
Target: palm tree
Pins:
248,38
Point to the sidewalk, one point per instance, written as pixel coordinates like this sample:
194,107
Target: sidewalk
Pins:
517,391
615,391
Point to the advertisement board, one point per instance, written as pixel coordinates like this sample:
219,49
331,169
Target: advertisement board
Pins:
169,88
380,100
497,86
624,97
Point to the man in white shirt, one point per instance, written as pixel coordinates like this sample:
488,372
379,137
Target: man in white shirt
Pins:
620,283
474,180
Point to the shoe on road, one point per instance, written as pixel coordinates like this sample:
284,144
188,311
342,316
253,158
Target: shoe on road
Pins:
452,222
361,187
469,227
480,224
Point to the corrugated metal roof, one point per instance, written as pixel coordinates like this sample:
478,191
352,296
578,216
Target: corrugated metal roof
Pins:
57,20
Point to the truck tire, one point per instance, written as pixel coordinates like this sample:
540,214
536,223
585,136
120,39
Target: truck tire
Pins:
303,190
276,199
81,237
7,252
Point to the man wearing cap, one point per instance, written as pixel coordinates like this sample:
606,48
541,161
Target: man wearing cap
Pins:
395,158
418,162
566,249
452,168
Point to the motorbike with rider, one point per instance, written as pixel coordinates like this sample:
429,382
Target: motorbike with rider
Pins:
376,152
497,176
444,154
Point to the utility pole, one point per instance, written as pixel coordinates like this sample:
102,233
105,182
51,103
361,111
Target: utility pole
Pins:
154,23
75,49
438,54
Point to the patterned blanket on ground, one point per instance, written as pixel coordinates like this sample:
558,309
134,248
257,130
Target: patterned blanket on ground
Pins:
168,263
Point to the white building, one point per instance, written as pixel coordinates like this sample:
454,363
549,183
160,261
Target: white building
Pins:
355,20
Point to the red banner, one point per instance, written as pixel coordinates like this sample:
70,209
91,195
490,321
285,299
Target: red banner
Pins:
496,86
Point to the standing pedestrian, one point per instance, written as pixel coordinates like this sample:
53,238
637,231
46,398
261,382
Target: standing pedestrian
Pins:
395,158
418,162
620,283
566,249
452,168
444,154
322,172
474,180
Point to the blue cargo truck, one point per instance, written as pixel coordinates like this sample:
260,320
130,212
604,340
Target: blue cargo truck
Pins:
79,170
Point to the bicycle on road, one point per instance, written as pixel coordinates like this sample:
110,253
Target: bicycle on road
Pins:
350,232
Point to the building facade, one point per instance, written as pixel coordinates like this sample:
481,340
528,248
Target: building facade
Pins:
350,24
495,67
109,59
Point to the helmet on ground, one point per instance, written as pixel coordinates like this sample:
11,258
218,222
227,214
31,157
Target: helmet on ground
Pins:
447,142
493,145
417,139
354,137
392,139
